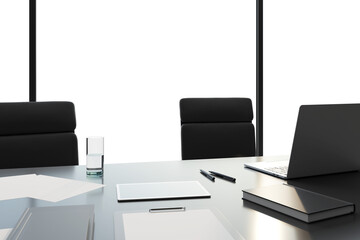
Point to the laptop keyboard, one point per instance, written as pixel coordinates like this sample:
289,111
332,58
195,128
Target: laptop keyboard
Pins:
280,170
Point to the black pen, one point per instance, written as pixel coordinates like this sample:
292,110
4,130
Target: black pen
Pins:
220,175
211,178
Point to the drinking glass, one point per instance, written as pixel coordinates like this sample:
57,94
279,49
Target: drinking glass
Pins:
94,156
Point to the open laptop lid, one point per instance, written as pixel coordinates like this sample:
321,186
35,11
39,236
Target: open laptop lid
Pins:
327,140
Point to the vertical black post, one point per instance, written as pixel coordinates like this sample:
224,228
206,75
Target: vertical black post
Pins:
259,77
32,50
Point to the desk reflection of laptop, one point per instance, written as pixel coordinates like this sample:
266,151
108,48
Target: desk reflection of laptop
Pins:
327,140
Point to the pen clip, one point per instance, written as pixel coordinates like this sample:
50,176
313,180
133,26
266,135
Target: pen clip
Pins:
170,209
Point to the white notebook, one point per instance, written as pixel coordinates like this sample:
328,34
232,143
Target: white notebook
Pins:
160,190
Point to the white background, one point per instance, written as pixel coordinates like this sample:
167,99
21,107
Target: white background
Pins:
14,51
311,56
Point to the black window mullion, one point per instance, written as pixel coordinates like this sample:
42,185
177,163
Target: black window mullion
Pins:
32,50
259,77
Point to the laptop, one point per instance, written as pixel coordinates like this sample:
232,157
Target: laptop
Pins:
326,141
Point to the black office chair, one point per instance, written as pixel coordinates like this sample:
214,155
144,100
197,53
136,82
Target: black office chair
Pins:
37,134
216,128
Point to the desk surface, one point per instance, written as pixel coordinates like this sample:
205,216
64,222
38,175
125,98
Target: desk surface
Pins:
250,220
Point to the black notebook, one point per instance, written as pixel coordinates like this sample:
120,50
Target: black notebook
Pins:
60,222
299,203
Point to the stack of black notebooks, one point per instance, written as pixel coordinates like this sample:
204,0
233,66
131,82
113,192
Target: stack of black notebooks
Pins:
60,222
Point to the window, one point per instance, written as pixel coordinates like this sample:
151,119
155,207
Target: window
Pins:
311,56
126,65
14,51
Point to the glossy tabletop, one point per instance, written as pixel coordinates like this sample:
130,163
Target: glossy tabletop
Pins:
250,220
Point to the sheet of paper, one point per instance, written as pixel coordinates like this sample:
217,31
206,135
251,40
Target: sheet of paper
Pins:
4,233
43,187
56,189
190,225
13,187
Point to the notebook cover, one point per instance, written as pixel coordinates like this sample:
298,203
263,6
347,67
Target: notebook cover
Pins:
297,201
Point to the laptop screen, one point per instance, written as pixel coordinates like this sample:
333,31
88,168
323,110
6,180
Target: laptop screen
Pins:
327,140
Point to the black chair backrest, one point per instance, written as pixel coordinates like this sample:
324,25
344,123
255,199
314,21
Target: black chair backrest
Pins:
216,128
37,134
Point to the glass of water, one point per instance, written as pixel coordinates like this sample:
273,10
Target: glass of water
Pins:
95,156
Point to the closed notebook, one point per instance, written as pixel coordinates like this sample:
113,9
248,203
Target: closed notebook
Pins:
55,223
160,190
299,203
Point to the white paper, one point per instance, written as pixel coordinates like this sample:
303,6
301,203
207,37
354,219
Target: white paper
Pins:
43,187
4,233
13,187
188,225
56,189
